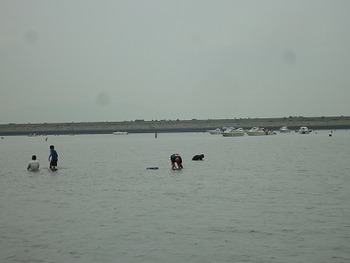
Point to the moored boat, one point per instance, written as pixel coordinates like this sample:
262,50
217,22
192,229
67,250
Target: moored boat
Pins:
284,129
255,131
232,132
217,131
304,130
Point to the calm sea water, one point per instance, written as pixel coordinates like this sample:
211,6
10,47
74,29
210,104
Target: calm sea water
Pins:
282,198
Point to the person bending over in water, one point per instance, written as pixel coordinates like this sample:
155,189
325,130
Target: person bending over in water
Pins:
176,159
198,157
33,164
53,158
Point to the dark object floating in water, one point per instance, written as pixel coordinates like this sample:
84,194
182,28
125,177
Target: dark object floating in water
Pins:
152,168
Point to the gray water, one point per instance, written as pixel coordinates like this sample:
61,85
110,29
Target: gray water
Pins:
282,198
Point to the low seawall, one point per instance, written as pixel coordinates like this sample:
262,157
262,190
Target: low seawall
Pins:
140,126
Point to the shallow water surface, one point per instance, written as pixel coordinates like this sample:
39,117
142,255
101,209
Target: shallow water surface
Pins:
282,198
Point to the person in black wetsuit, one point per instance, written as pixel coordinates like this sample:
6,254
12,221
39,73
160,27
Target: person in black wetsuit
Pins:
198,157
176,159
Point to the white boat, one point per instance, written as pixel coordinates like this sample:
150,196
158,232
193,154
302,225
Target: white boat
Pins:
215,132
284,129
304,130
232,132
120,133
255,131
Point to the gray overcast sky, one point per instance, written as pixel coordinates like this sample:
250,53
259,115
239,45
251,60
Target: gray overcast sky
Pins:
83,60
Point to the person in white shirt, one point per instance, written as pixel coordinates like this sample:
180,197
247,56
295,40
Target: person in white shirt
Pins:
33,164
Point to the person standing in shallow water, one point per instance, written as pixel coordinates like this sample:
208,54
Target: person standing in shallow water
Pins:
176,159
53,158
33,164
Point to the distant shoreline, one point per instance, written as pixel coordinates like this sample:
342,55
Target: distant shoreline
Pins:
162,126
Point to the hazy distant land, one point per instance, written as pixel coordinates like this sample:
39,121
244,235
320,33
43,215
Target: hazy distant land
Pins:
194,125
